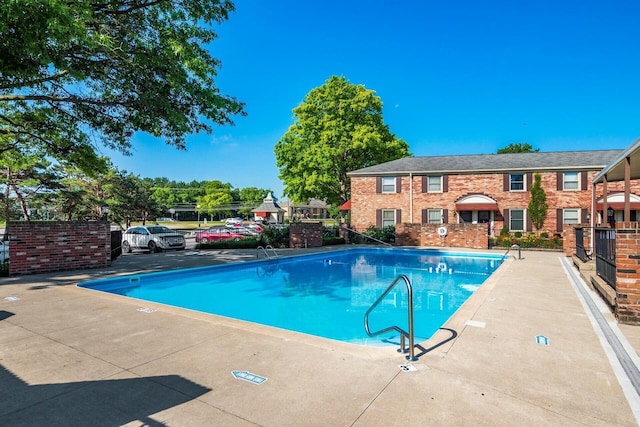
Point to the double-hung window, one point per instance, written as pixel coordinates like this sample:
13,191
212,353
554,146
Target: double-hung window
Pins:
571,216
388,184
516,220
388,217
516,182
571,181
434,216
434,184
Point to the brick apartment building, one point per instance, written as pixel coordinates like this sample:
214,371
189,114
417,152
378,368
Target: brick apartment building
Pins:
489,188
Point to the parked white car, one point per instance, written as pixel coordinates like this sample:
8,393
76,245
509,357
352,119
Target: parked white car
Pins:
4,251
154,238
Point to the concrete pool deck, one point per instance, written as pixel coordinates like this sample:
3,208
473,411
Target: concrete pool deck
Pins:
71,356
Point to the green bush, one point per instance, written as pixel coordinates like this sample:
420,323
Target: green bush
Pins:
278,237
544,235
330,241
518,234
230,244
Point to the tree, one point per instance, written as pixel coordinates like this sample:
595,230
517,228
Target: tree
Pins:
73,74
217,197
538,207
338,128
518,147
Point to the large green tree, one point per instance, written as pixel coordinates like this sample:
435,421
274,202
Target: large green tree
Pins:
337,128
518,147
75,74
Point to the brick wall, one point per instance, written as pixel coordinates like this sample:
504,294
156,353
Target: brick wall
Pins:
569,238
628,272
40,247
458,235
305,234
411,200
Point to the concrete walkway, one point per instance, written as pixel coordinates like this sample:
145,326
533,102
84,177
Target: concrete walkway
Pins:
71,356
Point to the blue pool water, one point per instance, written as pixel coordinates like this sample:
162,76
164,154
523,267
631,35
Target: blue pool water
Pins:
324,294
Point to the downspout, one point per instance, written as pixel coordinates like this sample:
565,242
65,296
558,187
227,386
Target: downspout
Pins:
411,197
593,219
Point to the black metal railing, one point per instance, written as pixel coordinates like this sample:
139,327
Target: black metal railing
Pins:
116,249
580,250
606,255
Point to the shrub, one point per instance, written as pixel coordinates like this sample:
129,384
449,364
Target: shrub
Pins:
544,235
278,237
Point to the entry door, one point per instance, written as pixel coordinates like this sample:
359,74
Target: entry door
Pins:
484,217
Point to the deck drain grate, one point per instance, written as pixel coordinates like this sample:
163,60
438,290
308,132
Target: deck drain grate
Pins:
146,310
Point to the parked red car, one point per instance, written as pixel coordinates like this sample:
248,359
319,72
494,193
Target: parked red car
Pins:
213,234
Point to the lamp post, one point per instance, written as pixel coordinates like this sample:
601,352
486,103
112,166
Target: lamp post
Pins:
105,212
198,210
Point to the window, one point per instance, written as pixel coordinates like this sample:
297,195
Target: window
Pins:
388,184
388,217
571,181
434,216
516,182
571,216
516,220
434,184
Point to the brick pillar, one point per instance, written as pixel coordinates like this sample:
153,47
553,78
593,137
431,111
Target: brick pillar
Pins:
568,240
305,235
628,272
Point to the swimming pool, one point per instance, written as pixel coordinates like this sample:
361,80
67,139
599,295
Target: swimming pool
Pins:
323,294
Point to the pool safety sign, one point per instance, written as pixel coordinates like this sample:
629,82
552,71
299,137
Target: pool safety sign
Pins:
248,376
542,340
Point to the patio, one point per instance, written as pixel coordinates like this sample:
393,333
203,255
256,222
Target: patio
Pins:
73,356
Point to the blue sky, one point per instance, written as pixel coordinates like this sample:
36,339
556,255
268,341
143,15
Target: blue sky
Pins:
455,77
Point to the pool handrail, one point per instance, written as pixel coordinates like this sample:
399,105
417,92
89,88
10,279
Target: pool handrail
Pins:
368,237
514,246
265,250
402,332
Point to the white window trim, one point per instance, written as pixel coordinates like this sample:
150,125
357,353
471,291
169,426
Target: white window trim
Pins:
440,216
524,220
524,183
564,215
564,181
382,184
383,220
441,183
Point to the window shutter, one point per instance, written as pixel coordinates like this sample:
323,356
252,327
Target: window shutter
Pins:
398,184
378,184
559,180
445,216
558,219
529,180
445,183
529,225
398,216
584,183
378,218
425,216
505,181
505,215
583,216
424,183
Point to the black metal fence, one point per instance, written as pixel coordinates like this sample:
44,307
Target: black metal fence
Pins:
605,239
116,248
580,250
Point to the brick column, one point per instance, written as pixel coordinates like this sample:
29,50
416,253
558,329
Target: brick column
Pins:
628,272
305,235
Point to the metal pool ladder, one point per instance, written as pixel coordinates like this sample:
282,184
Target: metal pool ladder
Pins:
269,251
403,334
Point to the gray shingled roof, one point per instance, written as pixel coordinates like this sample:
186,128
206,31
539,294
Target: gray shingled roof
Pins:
487,163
